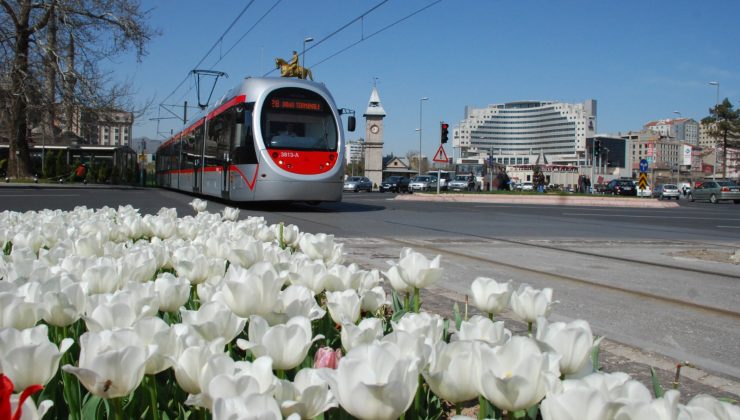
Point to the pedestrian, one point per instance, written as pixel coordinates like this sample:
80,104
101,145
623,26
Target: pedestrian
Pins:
80,172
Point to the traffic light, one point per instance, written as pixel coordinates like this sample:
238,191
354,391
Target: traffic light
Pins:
597,148
443,136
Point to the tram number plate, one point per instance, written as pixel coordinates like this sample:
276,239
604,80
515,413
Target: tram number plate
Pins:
289,155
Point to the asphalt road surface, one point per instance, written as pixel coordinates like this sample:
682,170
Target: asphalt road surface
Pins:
659,280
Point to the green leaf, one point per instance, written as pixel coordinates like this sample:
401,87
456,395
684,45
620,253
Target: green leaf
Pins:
445,330
397,315
595,352
397,304
657,387
533,411
458,316
90,408
8,248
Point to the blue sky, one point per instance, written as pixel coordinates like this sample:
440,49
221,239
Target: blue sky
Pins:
641,60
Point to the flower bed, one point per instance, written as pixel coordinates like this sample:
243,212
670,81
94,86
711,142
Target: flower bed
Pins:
118,314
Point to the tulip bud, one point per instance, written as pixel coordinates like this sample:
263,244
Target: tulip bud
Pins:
326,357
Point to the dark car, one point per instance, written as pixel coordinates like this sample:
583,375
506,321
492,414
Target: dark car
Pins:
621,187
396,184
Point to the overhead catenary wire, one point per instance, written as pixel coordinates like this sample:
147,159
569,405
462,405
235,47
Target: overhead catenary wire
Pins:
210,50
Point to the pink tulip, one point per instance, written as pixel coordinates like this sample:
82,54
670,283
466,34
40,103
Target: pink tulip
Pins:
327,357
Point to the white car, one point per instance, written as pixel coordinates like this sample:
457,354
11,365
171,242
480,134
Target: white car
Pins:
527,186
647,192
423,183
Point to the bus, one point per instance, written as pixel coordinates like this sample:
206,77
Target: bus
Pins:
267,139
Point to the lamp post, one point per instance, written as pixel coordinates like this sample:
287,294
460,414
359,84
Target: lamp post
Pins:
306,40
716,109
421,101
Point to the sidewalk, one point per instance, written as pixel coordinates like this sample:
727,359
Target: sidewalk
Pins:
542,199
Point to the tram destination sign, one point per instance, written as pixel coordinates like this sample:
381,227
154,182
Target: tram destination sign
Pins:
296,104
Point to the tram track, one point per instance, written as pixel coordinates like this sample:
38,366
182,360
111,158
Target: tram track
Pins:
681,302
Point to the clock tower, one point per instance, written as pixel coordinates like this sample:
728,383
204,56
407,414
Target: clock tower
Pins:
374,139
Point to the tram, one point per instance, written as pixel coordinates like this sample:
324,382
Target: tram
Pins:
267,139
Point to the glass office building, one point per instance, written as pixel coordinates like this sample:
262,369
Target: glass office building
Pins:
526,132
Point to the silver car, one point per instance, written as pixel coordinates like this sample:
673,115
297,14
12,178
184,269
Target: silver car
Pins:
358,183
423,183
716,190
666,191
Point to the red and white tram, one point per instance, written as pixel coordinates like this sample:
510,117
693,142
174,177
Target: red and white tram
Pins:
268,139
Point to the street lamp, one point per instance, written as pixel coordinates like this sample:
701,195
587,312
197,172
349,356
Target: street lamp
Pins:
716,109
306,40
716,84
421,101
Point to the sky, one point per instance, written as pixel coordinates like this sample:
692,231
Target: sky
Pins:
640,60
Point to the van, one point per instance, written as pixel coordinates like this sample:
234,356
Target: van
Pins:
445,178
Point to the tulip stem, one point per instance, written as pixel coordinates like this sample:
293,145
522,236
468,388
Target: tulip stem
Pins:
417,299
490,316
482,407
152,382
529,328
458,408
117,408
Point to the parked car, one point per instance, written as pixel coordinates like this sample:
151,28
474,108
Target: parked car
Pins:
423,183
445,176
358,183
666,191
527,186
645,192
715,191
621,187
397,184
459,183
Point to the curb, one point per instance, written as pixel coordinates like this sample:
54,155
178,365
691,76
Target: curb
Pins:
553,200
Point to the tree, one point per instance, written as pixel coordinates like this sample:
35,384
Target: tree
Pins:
723,122
50,45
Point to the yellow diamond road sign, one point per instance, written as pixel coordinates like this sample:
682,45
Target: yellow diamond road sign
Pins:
642,182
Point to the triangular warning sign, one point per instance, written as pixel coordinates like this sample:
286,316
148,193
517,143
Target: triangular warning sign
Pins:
441,156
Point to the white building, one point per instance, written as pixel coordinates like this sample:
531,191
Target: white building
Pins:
519,132
355,151
683,130
114,128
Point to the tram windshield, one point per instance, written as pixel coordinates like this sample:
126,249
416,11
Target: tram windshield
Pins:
297,119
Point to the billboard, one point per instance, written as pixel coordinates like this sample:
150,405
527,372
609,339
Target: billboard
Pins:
686,154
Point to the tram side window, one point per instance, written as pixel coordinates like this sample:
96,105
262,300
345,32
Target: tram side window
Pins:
221,134
243,147
192,148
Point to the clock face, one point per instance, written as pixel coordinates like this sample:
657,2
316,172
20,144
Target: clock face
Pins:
374,129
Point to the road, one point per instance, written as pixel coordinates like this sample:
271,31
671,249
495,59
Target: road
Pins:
660,280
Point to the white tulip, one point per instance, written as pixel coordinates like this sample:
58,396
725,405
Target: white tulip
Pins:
199,205
154,332
102,277
172,292
290,234
573,341
344,307
575,403
195,368
480,328
191,262
417,271
109,365
138,265
368,330
252,291
245,252
617,386
251,407
321,247
213,320
311,274
396,276
230,213
530,304
308,395
412,346
261,371
664,408
63,299
295,301
15,312
450,373
720,409
516,375
29,410
490,296
287,344
374,381
341,277
424,324
27,357
371,300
